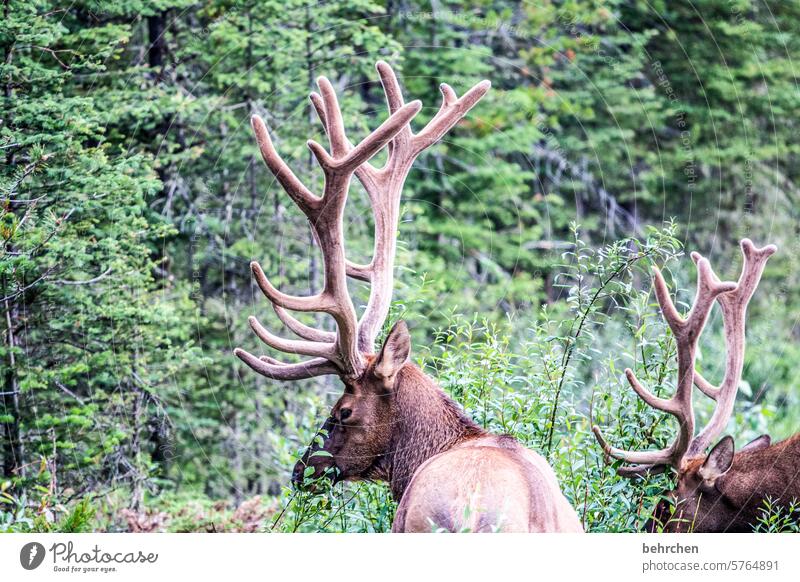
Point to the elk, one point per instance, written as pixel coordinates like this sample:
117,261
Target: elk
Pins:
393,422
724,490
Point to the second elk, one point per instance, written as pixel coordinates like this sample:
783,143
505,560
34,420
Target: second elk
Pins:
722,490
393,423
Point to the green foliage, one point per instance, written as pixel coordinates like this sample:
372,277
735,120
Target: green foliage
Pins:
546,382
777,519
47,515
132,198
79,519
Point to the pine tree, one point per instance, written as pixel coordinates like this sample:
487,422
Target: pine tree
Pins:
88,331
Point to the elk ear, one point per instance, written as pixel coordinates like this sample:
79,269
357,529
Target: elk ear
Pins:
718,462
757,444
394,353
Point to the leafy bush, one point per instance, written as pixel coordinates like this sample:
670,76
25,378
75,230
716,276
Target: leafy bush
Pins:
546,379
775,518
542,380
22,515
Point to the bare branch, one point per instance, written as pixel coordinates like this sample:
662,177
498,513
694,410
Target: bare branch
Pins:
92,281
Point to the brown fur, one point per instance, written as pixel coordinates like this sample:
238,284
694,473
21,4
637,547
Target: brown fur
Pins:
732,501
446,471
501,486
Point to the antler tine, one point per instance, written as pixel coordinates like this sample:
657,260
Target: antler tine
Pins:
296,190
649,458
663,404
276,370
301,329
347,164
301,347
384,186
450,112
709,287
334,124
343,351
705,386
319,302
329,227
734,310
755,260
687,332
394,100
702,384
325,215
668,310
649,461
391,87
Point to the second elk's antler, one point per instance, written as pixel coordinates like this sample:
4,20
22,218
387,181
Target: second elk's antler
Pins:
342,352
733,299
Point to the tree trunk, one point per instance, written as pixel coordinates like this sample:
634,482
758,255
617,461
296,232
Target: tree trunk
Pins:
156,27
137,494
13,450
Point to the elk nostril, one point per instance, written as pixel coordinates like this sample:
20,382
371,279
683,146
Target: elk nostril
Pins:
345,413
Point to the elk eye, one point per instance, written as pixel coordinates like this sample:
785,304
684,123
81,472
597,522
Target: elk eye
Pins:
345,413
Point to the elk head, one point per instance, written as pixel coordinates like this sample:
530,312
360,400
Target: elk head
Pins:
702,499
356,435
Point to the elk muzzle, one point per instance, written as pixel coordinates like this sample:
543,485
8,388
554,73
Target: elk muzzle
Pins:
317,458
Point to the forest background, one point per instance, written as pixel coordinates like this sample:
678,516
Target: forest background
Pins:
616,135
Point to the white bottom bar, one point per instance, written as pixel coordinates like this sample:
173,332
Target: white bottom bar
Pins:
424,557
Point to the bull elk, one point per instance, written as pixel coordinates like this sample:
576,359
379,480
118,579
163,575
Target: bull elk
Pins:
724,490
393,422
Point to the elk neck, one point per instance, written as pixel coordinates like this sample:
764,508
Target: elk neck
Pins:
426,422
772,472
